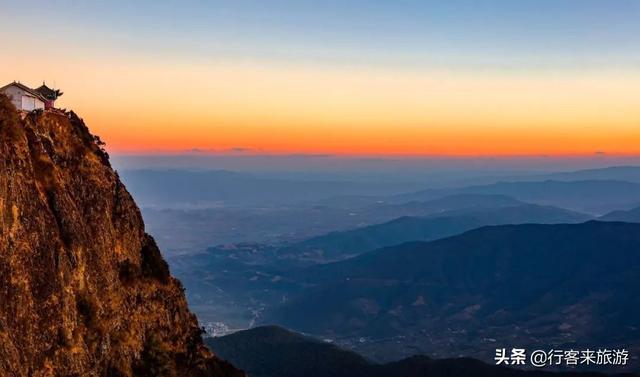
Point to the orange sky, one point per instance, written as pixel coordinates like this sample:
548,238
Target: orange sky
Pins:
338,77
141,105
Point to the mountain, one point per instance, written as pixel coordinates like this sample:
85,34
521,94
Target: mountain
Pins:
85,291
631,216
591,196
613,173
189,231
438,204
231,283
272,351
441,186
340,245
175,188
529,285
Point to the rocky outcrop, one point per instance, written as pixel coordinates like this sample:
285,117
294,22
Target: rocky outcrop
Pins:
84,290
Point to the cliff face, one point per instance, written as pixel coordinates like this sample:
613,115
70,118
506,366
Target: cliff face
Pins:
84,290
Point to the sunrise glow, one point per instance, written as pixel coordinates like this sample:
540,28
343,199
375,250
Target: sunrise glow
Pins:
185,95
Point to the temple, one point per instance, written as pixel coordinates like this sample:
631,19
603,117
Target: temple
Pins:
27,99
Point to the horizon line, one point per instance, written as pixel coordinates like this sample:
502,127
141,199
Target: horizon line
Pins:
264,154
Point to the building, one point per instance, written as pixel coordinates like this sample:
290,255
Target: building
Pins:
50,95
27,99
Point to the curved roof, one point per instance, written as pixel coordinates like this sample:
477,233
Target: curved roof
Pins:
26,89
48,93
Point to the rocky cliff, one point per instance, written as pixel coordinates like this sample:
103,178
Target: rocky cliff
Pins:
84,290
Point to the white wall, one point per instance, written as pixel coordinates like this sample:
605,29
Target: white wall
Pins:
23,100
30,103
15,95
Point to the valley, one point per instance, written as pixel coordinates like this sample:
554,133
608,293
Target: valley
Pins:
364,273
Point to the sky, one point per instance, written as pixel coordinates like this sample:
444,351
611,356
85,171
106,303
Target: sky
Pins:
349,78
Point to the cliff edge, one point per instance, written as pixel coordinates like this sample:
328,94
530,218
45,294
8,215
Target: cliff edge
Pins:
84,290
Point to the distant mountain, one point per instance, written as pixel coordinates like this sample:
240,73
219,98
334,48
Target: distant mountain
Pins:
188,231
340,245
437,204
272,351
214,188
174,188
631,216
615,173
444,187
235,281
593,196
528,285
442,204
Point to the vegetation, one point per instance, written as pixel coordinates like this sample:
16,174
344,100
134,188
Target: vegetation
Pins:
517,282
275,352
155,360
153,265
9,120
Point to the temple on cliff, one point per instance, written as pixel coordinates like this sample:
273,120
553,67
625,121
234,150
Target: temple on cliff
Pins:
28,99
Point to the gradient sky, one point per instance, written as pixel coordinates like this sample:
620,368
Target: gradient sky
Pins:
526,77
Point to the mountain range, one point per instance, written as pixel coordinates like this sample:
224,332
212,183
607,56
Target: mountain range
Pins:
272,351
444,223
613,173
591,196
530,285
188,231
179,188
630,216
231,283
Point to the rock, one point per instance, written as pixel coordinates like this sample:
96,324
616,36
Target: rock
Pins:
84,291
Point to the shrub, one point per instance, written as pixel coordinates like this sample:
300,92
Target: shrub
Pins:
153,265
155,359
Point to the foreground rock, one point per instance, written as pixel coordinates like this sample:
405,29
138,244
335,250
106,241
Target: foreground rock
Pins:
84,290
